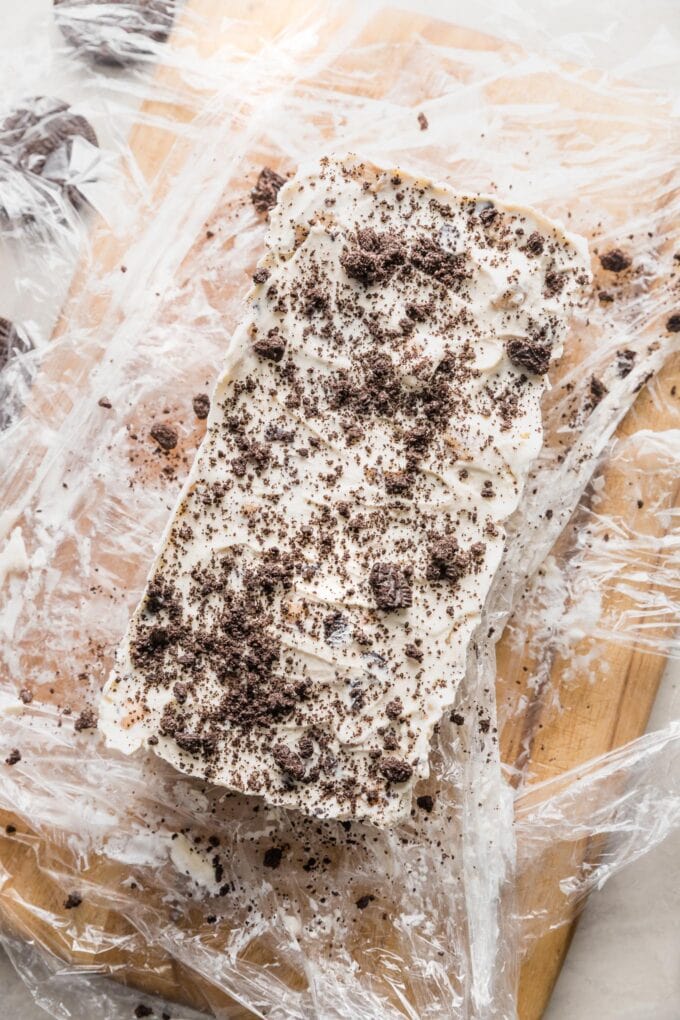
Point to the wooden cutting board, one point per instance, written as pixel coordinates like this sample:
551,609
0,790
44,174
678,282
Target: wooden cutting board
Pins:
604,707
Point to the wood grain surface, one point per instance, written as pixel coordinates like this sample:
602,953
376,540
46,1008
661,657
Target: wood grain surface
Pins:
602,709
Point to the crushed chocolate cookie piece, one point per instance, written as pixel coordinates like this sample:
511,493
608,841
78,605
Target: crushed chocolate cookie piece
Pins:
394,708
488,214
391,586
105,402
335,628
447,562
87,720
398,483
165,436
449,268
273,857
276,434
423,122
554,283
201,406
26,695
354,434
288,761
625,360
180,691
457,718
418,312
272,346
143,1010
615,261
425,802
14,757
395,770
534,357
306,746
535,243
10,829
72,901
374,257
605,297
488,491
673,323
266,192
597,390
413,652
261,275
364,901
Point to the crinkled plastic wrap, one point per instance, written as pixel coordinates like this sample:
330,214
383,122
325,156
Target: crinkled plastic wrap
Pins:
188,890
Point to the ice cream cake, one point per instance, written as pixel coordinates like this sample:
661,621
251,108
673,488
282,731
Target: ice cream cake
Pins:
307,618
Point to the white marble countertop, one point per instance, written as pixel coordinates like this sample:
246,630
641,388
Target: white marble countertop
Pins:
624,962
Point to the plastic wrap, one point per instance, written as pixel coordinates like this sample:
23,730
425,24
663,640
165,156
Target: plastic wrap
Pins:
183,885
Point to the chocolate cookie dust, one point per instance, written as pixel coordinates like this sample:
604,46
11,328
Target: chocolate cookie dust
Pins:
423,122
266,191
307,620
38,138
114,32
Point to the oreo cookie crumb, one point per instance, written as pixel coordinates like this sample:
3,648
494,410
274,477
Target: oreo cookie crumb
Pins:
72,901
534,357
165,436
105,402
87,720
270,347
288,761
423,121
615,261
391,586
673,323
413,652
201,406
394,708
396,770
14,757
425,802
273,857
266,192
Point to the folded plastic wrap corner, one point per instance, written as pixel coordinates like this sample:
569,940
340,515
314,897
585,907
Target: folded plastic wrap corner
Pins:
124,865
